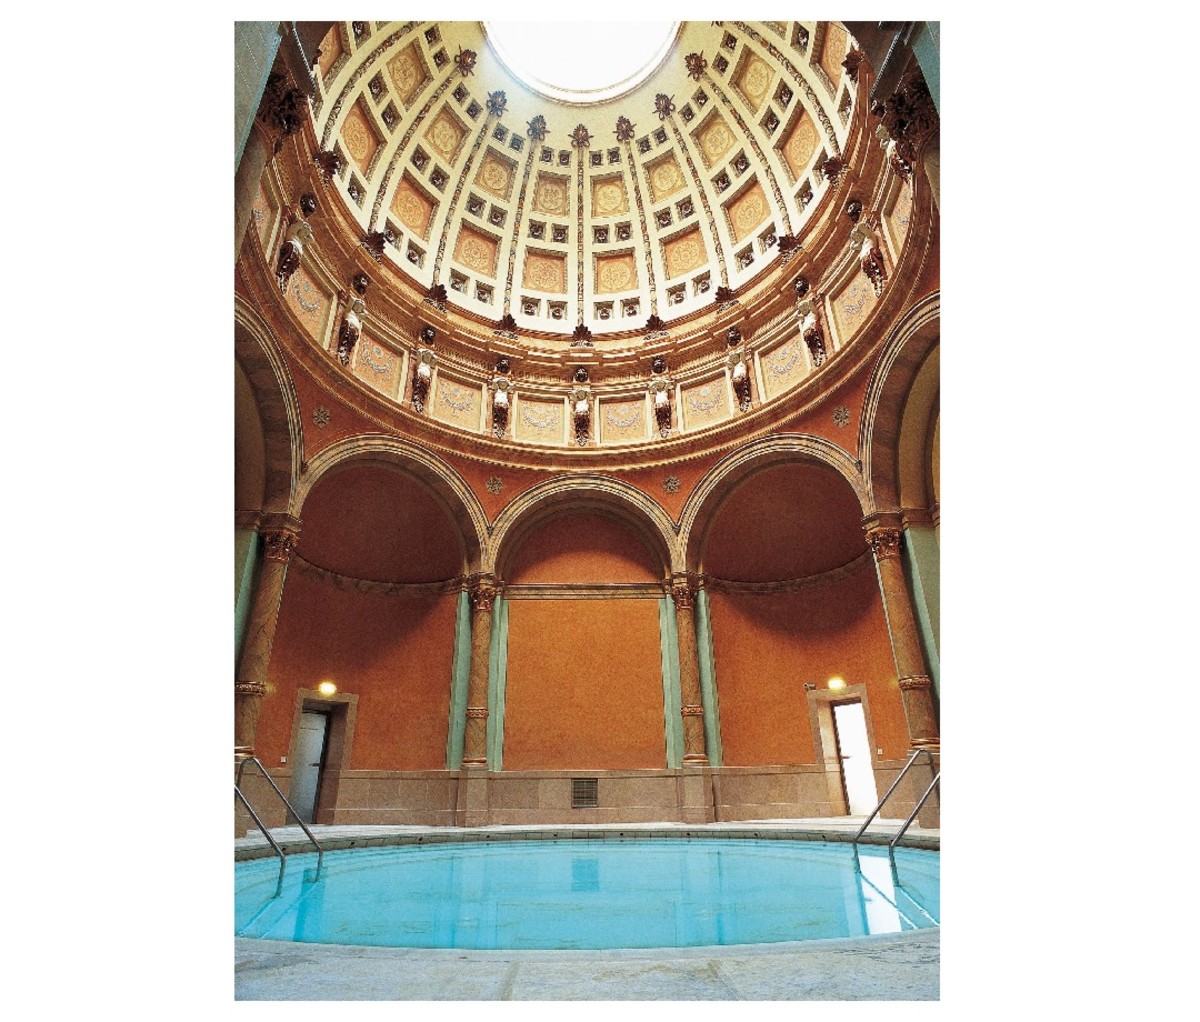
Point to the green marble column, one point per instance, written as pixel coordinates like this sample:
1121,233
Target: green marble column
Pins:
708,680
669,645
459,678
497,676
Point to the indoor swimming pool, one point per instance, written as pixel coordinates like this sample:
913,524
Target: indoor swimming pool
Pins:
593,893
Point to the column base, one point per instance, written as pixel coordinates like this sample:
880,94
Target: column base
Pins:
696,795
473,809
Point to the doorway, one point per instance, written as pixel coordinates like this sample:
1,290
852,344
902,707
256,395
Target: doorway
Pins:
854,756
309,759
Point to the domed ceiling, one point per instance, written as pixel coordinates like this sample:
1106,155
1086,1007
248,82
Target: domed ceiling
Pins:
604,211
648,253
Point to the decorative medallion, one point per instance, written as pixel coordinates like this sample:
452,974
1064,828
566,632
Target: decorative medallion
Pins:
666,179
664,105
537,129
841,416
464,60
496,103
494,484
580,137
671,484
695,64
321,417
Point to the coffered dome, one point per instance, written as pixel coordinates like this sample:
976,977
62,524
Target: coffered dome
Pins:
666,230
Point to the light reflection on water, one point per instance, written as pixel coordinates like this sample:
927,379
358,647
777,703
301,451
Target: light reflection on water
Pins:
589,894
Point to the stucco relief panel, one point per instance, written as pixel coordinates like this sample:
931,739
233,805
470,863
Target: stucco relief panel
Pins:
377,366
705,403
623,421
445,135
408,72
609,197
360,138
552,194
783,366
263,215
799,146
715,139
309,302
834,51
747,211
496,175
413,207
665,177
476,251
899,216
545,272
753,80
851,306
457,402
615,273
683,254
540,422
331,49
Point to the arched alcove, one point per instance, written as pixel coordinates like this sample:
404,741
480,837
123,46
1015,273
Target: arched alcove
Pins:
370,604
584,685
793,602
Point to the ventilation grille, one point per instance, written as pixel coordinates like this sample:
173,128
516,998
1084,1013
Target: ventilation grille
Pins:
583,793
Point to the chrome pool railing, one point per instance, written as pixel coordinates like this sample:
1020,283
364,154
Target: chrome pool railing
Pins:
935,783
237,787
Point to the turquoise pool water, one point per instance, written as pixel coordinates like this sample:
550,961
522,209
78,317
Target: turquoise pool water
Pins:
588,894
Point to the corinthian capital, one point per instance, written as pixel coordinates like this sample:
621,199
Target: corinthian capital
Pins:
483,592
278,544
683,592
885,542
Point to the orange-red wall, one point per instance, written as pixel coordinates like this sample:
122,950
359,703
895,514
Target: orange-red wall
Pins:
394,652
584,686
766,647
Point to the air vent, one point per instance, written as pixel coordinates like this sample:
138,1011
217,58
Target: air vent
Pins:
583,793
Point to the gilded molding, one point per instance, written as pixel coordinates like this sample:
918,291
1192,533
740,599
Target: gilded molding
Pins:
584,591
363,585
250,688
919,681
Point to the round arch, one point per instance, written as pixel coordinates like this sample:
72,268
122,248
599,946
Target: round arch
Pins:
443,481
753,458
266,371
901,360
585,493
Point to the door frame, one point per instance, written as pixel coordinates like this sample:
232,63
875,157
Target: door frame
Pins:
821,702
339,739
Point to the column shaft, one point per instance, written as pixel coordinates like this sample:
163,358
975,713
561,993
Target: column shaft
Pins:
475,742
906,643
692,709
251,683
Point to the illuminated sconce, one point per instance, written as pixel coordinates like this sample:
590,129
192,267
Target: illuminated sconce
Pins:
836,683
327,688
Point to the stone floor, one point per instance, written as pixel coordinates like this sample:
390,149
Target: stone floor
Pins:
894,967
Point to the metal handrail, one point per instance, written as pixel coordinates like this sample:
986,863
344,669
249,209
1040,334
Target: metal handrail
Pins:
283,799
912,816
278,851
888,794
